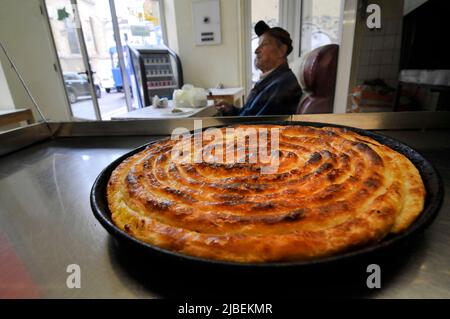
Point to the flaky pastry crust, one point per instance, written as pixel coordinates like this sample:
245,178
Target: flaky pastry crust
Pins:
334,190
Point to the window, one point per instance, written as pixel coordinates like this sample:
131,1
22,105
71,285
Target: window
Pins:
311,23
267,10
72,37
321,21
140,22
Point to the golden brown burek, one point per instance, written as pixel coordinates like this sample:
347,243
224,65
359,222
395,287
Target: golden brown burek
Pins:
334,190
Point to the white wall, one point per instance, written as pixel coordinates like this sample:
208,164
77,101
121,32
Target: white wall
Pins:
379,55
6,101
205,66
25,34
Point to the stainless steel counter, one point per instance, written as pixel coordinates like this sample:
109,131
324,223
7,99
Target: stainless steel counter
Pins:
46,224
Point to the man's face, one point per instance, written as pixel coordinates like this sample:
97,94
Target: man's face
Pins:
268,54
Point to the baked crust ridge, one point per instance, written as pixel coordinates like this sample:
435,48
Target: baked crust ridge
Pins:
333,190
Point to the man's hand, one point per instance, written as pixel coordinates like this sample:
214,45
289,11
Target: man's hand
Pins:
224,107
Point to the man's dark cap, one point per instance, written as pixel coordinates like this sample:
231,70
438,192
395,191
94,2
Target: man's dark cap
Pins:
276,32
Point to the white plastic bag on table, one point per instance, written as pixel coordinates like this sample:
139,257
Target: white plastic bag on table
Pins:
190,96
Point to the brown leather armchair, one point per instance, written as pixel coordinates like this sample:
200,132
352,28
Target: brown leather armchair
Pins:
318,80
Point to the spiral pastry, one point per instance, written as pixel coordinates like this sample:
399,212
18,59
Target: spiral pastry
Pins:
332,190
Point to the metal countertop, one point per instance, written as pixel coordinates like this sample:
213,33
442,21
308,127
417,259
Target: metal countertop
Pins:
46,224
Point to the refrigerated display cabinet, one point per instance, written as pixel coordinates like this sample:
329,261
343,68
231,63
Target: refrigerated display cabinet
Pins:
155,71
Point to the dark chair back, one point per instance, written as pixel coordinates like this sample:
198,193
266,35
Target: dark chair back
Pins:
318,80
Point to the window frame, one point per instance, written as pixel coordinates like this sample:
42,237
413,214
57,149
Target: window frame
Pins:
291,18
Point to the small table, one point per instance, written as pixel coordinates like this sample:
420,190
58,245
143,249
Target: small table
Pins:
230,95
151,112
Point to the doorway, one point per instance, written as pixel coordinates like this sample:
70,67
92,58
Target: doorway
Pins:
85,32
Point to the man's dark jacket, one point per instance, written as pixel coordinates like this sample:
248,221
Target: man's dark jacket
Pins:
277,94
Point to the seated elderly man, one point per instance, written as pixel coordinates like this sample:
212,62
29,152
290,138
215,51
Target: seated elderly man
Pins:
277,92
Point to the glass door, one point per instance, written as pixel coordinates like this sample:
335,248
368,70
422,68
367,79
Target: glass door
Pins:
85,41
104,57
81,87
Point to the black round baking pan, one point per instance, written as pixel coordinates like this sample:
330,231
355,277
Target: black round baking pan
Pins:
434,196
